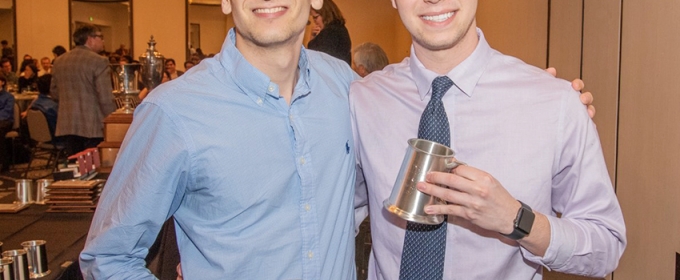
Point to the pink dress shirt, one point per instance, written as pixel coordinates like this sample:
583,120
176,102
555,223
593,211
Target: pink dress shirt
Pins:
519,124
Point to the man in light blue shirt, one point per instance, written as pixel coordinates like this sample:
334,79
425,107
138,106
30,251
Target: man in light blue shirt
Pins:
252,153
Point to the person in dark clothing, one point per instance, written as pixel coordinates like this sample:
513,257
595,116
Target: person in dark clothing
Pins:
45,104
329,32
6,121
29,78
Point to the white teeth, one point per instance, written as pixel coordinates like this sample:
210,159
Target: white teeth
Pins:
269,11
438,18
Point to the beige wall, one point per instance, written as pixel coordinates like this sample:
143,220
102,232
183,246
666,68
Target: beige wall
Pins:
628,58
648,181
112,17
518,28
41,25
165,20
378,22
601,48
214,26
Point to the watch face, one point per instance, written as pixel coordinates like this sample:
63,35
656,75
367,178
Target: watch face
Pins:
525,220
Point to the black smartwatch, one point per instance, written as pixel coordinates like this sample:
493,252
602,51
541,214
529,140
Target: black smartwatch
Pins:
523,222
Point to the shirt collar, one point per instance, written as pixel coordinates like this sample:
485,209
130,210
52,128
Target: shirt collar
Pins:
465,75
253,81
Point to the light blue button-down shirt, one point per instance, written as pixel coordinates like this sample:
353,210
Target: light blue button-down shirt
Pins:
260,189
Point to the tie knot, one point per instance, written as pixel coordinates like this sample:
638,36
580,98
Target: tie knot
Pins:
440,85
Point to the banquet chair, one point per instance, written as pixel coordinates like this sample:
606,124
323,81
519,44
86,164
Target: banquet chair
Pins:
14,133
44,146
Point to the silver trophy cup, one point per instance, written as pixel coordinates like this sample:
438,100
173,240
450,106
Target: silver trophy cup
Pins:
153,65
125,84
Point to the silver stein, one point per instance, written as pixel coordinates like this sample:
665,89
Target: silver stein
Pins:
407,202
153,65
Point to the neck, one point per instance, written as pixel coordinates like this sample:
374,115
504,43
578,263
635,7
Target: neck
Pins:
444,60
279,62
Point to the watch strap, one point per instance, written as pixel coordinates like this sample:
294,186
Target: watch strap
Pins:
523,222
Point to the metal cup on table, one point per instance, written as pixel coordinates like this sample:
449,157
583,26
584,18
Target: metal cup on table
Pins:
37,258
41,190
407,202
24,190
6,269
19,263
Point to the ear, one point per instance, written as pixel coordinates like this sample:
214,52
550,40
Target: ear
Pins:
226,7
317,4
394,4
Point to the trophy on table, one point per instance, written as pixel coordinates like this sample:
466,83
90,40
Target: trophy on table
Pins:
125,84
153,66
127,77
127,80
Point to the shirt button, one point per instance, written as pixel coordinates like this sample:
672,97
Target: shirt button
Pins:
290,117
259,101
302,160
271,89
307,207
310,254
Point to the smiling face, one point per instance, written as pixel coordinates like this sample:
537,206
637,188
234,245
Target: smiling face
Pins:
438,24
269,23
170,66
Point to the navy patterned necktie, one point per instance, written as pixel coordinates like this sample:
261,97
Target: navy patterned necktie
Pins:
425,245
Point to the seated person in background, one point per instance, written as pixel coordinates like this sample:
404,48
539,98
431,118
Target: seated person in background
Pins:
368,57
29,78
28,59
145,91
7,73
188,65
125,59
171,68
6,121
46,65
57,51
44,103
195,59
329,32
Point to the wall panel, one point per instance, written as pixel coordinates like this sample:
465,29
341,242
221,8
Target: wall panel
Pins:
518,28
601,48
564,47
647,175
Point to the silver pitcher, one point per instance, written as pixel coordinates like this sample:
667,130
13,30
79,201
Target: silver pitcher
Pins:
153,66
407,202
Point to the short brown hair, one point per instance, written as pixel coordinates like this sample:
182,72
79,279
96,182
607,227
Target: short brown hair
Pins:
83,32
330,12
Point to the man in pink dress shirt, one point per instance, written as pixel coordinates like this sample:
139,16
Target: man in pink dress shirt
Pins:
525,137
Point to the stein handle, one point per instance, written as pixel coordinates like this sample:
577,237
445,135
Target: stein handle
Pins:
451,165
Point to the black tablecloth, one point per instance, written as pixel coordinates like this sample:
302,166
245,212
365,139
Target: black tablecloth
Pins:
65,233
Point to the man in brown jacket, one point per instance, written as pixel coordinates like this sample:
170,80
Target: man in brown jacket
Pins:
81,82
